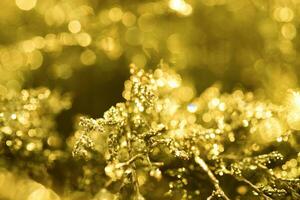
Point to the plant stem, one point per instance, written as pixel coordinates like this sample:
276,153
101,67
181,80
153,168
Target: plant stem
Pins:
212,177
254,188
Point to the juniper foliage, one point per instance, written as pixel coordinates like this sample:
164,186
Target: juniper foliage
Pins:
190,148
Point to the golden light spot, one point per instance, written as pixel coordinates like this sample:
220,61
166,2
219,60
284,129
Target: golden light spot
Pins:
74,26
146,21
283,14
88,57
172,107
293,119
67,39
28,46
179,133
270,129
32,133
242,190
30,146
54,141
181,7
255,147
222,106
41,193
279,139
35,59
288,31
185,93
7,130
141,178
128,19
19,133
55,16
104,17
293,163
8,143
39,42
62,71
245,123
84,39
173,83
26,4
214,103
107,44
12,59
192,107
294,100
156,174
13,116
51,43
115,14
286,46
231,137
109,169
284,167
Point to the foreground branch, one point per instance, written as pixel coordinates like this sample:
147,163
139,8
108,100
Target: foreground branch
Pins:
212,177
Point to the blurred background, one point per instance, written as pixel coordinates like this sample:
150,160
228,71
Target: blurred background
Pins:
84,47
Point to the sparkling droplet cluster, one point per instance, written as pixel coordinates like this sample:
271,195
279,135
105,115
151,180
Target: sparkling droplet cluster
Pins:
155,134
27,128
